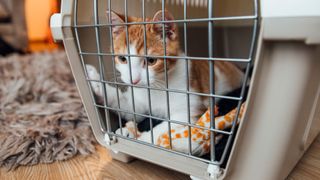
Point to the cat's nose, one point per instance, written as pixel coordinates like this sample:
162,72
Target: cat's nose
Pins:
136,81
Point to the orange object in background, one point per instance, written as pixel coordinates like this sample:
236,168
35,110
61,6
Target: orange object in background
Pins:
37,17
54,9
38,14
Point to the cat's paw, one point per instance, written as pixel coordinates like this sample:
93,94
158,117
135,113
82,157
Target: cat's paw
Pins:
94,75
92,72
129,130
125,132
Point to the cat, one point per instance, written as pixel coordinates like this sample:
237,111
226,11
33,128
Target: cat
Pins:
227,76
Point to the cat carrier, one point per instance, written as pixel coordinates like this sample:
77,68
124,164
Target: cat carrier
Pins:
276,44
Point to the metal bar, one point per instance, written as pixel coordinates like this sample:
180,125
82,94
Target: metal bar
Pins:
187,59
147,69
101,64
113,65
251,53
229,18
187,73
163,119
173,90
165,70
75,17
212,81
164,149
241,60
256,9
130,68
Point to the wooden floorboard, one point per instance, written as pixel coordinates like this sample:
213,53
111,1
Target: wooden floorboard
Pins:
101,166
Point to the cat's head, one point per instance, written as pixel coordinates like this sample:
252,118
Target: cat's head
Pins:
154,46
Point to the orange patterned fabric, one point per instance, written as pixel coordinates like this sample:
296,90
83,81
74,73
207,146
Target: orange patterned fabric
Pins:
200,137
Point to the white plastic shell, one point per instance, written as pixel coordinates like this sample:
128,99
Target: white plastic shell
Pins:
283,111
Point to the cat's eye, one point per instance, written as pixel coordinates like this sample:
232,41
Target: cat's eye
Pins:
151,61
122,59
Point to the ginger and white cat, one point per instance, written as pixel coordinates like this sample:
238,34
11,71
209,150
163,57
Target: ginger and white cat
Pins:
227,76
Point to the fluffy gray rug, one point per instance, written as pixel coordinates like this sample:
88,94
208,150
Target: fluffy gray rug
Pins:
41,115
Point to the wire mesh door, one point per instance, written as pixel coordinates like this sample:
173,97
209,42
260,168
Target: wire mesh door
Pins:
98,24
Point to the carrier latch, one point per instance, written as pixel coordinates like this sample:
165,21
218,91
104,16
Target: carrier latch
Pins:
214,171
56,27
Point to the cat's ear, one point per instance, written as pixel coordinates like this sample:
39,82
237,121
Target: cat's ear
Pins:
170,27
116,19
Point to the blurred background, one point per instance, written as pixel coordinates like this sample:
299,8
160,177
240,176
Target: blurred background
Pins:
24,25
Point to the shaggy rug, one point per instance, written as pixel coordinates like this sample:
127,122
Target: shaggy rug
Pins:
42,119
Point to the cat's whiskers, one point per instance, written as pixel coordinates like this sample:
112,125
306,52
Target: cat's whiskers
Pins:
114,78
157,83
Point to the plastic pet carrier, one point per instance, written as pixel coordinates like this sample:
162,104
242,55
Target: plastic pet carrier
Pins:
275,111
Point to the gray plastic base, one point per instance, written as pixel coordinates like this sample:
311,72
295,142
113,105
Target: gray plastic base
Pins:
119,156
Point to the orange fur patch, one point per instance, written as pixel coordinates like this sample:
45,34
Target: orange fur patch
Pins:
154,43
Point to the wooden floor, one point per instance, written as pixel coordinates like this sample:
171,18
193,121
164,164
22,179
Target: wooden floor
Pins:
101,166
